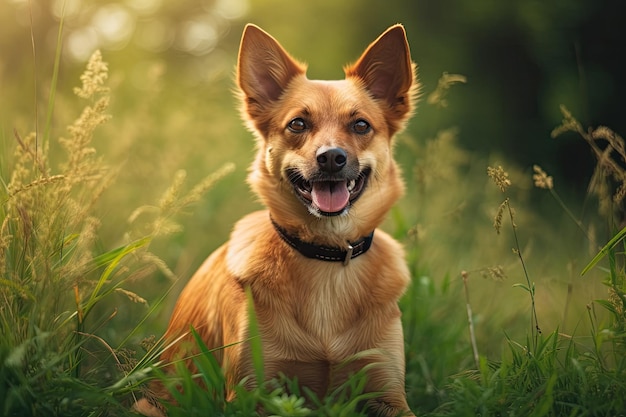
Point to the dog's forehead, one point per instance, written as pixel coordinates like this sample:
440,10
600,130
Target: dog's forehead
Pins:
330,95
339,86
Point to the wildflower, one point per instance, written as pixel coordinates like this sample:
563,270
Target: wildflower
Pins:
500,177
542,180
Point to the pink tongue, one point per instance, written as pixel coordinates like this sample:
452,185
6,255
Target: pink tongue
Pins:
330,197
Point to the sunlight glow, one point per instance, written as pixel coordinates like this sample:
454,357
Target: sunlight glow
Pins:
81,43
114,24
231,9
198,36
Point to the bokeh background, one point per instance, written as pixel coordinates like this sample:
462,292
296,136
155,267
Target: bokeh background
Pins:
171,68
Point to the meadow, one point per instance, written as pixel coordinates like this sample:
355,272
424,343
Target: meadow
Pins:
111,196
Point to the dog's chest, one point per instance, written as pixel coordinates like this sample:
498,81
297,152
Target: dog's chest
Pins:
319,309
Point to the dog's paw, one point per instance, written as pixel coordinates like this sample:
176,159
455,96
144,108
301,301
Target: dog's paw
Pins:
380,408
144,407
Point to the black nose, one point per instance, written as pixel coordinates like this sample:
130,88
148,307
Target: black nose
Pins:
332,160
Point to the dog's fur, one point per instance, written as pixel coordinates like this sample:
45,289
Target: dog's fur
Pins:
325,171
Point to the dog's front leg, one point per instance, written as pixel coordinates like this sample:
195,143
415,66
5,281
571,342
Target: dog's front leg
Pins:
387,375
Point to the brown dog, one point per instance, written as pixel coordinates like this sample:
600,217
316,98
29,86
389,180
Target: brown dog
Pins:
324,285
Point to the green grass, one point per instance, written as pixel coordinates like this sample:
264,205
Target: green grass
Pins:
488,331
56,279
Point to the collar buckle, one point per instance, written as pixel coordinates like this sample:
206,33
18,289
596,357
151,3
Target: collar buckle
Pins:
349,252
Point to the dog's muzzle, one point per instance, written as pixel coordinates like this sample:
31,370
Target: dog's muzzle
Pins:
335,185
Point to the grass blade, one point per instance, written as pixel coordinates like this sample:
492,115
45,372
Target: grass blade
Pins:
605,250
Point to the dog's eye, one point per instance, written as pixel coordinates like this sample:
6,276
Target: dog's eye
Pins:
297,125
361,127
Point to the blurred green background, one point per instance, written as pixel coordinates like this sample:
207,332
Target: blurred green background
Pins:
171,68
522,58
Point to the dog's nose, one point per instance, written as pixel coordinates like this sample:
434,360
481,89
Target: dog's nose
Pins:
332,160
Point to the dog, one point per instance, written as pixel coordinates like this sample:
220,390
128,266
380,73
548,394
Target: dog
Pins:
324,280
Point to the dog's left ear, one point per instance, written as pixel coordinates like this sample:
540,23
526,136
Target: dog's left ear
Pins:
387,72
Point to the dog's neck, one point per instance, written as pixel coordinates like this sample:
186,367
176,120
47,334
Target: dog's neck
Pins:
325,253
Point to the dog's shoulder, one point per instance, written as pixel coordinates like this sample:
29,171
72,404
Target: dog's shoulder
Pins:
252,243
384,268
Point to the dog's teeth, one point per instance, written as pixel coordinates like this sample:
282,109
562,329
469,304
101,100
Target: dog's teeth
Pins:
351,185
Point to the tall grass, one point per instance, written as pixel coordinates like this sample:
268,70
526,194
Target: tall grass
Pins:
556,374
54,276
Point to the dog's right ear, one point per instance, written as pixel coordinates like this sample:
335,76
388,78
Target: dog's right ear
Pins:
264,69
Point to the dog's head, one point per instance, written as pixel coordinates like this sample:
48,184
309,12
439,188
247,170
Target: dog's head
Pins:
324,157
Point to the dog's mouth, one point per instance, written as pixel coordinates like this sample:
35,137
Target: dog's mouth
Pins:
328,197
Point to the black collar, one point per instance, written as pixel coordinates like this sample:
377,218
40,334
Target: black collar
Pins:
324,253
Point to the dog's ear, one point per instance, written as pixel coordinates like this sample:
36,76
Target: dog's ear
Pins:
387,72
264,69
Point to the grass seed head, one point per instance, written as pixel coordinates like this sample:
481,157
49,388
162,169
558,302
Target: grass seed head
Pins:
438,97
541,179
500,177
497,221
495,272
94,77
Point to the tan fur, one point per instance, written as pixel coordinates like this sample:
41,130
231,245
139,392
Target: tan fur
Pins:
312,314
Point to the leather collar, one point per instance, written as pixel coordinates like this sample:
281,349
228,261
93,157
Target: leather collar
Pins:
325,253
